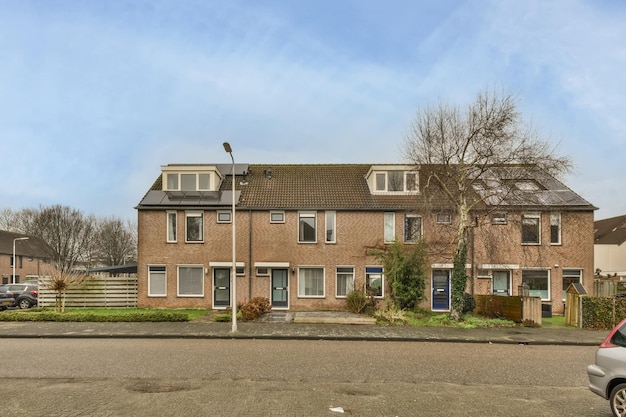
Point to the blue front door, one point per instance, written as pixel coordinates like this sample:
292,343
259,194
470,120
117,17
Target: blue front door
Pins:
441,290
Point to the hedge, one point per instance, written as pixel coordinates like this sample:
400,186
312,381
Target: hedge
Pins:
603,312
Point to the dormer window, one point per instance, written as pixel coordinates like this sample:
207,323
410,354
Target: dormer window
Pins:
393,179
190,178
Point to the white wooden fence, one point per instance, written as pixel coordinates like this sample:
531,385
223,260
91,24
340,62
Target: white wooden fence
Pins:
95,292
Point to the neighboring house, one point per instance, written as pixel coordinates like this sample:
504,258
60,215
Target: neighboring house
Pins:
31,254
610,247
304,234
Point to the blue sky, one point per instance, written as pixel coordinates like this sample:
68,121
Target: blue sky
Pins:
96,95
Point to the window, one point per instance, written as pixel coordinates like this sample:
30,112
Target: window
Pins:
194,227
555,228
306,227
188,181
412,228
390,227
395,181
223,217
444,217
381,181
538,281
19,260
498,218
531,230
311,282
157,282
190,281
277,217
411,181
345,281
571,276
331,227
171,226
374,283
262,271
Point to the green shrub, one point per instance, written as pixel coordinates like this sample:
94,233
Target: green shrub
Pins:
356,300
131,316
255,307
469,304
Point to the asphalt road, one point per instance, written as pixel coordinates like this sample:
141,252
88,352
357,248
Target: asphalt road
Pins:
175,377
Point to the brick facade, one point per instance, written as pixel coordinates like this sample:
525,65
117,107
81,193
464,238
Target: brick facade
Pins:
274,246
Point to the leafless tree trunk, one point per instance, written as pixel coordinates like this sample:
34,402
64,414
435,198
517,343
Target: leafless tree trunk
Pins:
469,152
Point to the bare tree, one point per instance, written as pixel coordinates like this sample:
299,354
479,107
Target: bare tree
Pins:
474,152
117,242
67,231
59,282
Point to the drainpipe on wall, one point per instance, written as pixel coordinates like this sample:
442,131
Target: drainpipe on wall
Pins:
250,269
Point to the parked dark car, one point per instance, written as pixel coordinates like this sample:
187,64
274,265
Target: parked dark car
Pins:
607,377
22,295
6,300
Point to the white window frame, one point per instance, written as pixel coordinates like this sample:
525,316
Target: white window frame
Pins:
302,288
555,218
277,216
194,214
498,218
330,221
389,225
226,213
372,271
177,178
191,295
344,271
307,215
537,217
444,217
171,235
154,272
569,273
549,278
421,231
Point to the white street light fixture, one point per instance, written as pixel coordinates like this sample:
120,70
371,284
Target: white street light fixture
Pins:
14,259
233,297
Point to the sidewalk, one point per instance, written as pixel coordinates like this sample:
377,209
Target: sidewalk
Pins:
308,326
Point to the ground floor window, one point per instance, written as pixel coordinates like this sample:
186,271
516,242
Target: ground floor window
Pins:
311,282
374,282
571,276
157,282
538,281
345,281
191,281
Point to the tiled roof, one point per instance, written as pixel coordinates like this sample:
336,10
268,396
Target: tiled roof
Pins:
610,231
342,186
34,246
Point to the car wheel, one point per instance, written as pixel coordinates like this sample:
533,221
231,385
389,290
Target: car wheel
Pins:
23,303
618,400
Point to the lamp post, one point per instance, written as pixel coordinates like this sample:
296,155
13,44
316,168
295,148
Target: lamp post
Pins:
14,259
233,297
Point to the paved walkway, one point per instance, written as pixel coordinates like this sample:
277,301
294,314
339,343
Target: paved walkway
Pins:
307,326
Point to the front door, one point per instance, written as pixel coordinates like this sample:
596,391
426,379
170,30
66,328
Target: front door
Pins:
441,290
221,287
280,288
501,283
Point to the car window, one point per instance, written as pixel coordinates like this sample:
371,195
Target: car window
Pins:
619,338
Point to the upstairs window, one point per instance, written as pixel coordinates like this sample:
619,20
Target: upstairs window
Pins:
498,218
412,228
277,217
444,217
187,178
394,181
194,227
331,227
223,216
307,231
555,228
531,229
390,227
171,226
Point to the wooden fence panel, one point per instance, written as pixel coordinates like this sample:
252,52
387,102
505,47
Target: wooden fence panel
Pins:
96,292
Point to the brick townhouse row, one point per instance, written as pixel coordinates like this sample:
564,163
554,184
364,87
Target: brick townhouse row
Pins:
304,234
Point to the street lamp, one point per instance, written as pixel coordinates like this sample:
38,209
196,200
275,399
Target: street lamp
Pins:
14,259
233,297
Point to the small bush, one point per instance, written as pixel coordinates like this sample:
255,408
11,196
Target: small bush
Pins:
131,316
469,304
356,301
255,307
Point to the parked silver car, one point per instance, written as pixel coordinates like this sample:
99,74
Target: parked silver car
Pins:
607,377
